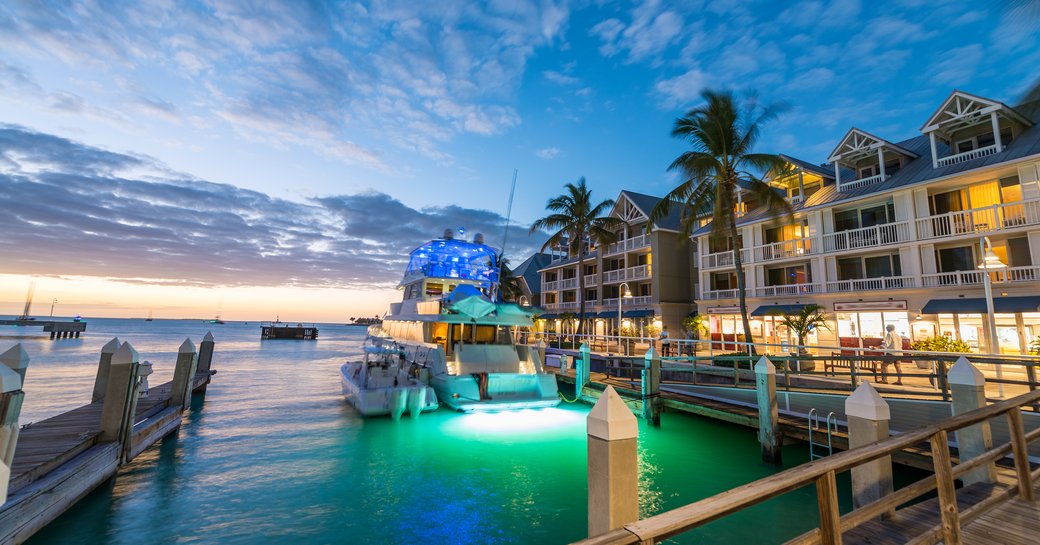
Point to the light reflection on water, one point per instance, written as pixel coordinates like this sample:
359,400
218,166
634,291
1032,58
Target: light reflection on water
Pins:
274,456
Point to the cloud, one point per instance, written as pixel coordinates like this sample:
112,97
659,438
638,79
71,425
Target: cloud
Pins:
548,153
648,32
560,78
957,65
76,210
682,89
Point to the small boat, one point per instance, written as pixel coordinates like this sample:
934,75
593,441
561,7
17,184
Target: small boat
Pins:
216,320
382,384
149,318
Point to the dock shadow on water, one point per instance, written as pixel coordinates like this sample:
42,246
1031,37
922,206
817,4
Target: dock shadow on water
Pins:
274,455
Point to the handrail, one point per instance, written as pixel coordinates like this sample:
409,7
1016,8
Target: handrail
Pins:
820,472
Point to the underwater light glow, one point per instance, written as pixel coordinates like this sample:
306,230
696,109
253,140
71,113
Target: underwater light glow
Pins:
520,422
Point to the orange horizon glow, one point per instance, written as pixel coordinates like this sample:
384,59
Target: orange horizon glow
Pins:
94,297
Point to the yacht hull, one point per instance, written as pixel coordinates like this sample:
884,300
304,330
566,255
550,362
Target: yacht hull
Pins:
505,392
413,397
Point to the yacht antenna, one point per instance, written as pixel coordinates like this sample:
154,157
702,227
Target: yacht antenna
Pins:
505,235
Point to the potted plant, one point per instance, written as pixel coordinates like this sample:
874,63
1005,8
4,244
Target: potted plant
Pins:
805,321
941,343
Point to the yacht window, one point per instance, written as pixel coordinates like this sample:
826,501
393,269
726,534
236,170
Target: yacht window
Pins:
434,289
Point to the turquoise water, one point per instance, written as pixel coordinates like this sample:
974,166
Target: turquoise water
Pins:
274,455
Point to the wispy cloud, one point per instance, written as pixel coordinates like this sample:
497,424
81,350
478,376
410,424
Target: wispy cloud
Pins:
548,153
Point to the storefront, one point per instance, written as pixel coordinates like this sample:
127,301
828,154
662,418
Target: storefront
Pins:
862,324
1017,321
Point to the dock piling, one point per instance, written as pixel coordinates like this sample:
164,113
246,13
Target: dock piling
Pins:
205,355
968,392
117,413
101,380
183,373
651,387
582,367
768,412
15,361
613,464
868,416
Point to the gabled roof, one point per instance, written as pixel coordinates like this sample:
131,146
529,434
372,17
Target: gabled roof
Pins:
646,203
857,143
567,261
821,170
962,108
528,270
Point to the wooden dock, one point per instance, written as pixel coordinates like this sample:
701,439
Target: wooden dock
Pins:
58,461
57,328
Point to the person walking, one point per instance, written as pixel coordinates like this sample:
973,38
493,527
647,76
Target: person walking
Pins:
893,341
665,342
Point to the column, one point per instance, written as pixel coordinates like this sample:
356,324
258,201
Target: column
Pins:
613,470
184,375
868,416
968,392
768,414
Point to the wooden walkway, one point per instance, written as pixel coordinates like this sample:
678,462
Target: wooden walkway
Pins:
48,444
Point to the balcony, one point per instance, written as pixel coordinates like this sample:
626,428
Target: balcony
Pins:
639,272
788,289
566,305
591,280
628,244
723,259
967,156
980,220
712,295
788,248
628,301
867,284
1010,275
860,182
867,237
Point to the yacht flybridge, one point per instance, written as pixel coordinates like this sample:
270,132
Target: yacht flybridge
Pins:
452,334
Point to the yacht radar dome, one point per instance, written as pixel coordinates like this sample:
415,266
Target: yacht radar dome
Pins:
449,234
478,238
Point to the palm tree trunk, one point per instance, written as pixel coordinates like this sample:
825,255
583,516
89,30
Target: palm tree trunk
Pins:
737,244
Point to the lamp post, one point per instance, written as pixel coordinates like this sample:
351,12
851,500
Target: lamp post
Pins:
989,261
53,302
523,301
622,293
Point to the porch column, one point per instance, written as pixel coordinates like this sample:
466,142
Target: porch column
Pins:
837,173
996,131
935,156
881,162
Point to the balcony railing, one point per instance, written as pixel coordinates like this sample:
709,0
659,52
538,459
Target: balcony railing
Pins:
628,244
723,259
627,301
712,295
866,284
866,237
968,155
860,182
616,275
591,280
980,220
788,289
639,272
785,249
1010,275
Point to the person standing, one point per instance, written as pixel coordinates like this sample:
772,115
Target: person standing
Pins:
665,342
893,341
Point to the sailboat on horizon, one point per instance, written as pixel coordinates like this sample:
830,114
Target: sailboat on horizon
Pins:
149,318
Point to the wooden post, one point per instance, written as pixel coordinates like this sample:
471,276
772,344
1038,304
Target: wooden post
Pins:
951,522
1020,449
184,375
827,503
119,411
651,387
206,353
11,397
768,413
968,391
17,360
143,372
101,380
613,464
868,416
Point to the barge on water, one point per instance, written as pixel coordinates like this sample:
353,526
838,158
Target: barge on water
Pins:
278,330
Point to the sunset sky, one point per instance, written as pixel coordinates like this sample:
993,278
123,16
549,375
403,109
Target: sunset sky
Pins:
281,158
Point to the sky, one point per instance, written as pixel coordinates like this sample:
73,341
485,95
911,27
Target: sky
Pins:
281,158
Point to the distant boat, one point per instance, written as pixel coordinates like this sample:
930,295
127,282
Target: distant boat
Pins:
216,320
149,318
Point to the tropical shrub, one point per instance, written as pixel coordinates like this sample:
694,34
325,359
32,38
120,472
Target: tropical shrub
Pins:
941,343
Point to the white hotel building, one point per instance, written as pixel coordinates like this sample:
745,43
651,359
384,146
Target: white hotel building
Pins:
889,232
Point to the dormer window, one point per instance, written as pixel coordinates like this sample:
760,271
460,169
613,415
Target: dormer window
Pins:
970,127
871,159
797,179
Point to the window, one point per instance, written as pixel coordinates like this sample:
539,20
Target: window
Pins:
961,258
723,281
785,276
569,273
892,166
642,259
590,269
1010,189
643,290
876,214
878,266
850,268
868,171
550,276
590,295
1018,252
950,201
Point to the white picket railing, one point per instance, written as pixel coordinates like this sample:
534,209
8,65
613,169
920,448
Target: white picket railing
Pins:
712,295
980,220
864,284
968,155
724,259
852,184
788,248
972,278
866,237
788,289
628,244
591,280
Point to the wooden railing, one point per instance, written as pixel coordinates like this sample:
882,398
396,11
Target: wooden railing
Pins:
967,155
823,474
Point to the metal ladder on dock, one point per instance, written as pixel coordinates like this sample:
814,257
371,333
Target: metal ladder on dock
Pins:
830,425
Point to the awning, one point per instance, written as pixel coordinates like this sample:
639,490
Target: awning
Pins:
607,314
546,317
769,310
1002,305
638,313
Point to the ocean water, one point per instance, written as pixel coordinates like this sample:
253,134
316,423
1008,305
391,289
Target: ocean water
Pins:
272,454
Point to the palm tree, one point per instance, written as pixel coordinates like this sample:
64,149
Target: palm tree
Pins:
575,221
509,288
804,322
721,134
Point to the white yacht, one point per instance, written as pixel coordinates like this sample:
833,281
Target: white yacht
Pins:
382,384
456,338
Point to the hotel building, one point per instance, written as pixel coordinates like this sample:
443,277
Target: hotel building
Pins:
891,232
654,268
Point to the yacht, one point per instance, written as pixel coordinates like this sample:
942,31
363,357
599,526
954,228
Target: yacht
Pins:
381,384
454,335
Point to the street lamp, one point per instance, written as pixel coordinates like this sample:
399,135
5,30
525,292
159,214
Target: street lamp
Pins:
990,260
623,293
523,301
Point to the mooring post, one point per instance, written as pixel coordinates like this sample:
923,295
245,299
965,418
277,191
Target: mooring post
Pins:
868,415
119,411
613,464
12,372
184,375
768,413
205,356
651,387
583,367
968,392
101,380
